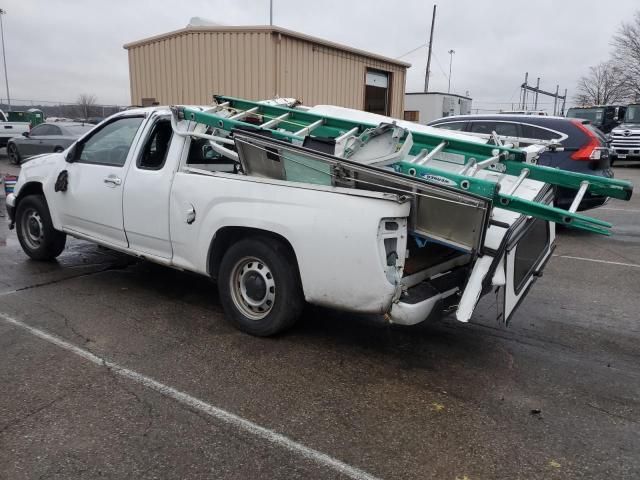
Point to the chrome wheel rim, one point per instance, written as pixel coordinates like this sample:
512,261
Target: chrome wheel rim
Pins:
253,288
32,229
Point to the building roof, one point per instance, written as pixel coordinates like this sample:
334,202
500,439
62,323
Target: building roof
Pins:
264,29
439,93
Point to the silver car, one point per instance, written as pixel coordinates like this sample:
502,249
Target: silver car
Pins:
45,138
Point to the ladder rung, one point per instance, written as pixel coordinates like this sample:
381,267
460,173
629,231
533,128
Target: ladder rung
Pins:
241,115
470,165
477,166
523,174
497,139
432,154
220,106
423,153
488,162
307,130
351,132
578,198
274,121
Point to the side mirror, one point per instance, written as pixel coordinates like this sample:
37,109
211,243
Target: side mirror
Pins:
71,154
25,134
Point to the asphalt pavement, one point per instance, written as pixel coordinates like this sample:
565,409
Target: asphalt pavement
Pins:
116,368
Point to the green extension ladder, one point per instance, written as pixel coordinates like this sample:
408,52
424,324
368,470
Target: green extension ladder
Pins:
293,125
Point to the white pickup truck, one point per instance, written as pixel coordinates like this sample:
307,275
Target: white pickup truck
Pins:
11,129
135,184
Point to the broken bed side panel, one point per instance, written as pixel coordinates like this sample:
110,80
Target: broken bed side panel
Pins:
439,213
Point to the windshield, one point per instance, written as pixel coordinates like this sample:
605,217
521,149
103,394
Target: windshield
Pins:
633,114
595,115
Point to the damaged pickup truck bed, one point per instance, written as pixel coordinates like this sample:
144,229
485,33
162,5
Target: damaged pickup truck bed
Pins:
283,206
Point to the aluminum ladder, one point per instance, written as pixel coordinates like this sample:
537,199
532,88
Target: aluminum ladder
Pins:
294,125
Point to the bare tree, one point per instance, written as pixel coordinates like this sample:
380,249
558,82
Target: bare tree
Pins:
86,102
626,55
603,85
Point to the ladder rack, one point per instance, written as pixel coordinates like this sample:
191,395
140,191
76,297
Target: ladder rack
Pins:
294,125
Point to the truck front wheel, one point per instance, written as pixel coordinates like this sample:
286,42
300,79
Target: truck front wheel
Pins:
35,229
260,287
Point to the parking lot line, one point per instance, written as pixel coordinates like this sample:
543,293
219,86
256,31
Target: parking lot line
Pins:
633,265
229,418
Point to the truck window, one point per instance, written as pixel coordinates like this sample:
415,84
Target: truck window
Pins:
110,145
202,156
632,115
595,115
155,150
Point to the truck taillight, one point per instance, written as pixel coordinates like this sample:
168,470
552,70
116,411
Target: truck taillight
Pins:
590,150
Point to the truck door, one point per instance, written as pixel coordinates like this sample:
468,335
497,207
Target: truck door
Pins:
92,203
146,193
526,254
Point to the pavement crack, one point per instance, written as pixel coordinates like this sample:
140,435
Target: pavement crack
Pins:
611,414
72,277
148,406
69,325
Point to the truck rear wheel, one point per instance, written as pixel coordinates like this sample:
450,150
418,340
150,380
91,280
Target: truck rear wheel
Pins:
259,286
35,229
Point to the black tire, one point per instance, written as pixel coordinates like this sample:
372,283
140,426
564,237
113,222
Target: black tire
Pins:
58,150
260,270
35,230
13,153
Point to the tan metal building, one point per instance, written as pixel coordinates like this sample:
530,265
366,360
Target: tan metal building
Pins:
189,65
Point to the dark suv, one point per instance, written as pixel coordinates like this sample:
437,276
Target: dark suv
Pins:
584,147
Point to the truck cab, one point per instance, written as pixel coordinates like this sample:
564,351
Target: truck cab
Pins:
625,138
605,117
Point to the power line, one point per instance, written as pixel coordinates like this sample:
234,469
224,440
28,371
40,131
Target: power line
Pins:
440,65
411,51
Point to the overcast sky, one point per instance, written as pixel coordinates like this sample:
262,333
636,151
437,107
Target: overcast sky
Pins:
57,49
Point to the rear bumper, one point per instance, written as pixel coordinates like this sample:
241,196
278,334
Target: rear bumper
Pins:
404,313
419,301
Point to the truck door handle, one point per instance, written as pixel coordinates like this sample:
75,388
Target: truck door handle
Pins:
112,180
191,214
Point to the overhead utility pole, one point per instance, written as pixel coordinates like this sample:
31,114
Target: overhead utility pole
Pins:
426,74
451,52
525,88
4,58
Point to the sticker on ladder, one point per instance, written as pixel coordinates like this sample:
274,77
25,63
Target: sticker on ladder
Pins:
438,179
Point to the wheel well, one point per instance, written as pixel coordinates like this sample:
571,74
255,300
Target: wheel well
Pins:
227,236
31,188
